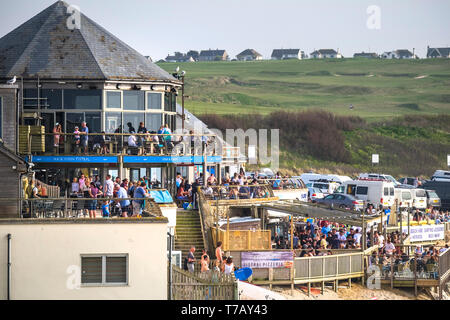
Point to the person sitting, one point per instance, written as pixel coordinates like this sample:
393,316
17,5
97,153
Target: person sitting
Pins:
182,194
132,144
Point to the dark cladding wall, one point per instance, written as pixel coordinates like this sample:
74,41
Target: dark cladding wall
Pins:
8,96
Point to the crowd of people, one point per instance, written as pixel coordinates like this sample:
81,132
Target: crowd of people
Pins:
222,263
432,213
117,192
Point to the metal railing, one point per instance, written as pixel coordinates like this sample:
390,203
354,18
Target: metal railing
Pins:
118,144
328,267
237,192
54,208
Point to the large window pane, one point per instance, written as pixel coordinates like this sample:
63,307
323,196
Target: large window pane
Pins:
153,121
93,121
91,270
131,121
113,99
154,100
73,120
116,269
133,100
82,99
51,99
30,100
112,121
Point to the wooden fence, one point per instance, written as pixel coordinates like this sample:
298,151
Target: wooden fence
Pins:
444,270
242,239
211,285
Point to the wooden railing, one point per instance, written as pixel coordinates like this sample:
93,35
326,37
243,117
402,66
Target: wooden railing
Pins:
243,239
210,285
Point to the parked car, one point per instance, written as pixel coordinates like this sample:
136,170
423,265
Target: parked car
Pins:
433,199
410,180
442,189
343,201
372,191
314,194
441,175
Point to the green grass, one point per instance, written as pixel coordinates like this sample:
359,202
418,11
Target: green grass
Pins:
378,89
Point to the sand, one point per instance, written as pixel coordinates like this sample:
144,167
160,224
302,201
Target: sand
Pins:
357,292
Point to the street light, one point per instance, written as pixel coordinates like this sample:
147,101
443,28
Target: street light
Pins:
180,76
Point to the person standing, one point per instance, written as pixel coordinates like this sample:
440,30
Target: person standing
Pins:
139,193
124,204
108,189
57,130
84,137
191,260
93,191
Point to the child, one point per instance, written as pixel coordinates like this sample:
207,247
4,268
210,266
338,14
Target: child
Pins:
76,139
105,209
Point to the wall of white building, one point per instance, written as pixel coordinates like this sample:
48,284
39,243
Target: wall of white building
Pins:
46,255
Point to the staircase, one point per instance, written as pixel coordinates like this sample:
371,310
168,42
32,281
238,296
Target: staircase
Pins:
188,232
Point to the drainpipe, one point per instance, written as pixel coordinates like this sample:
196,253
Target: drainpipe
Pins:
8,296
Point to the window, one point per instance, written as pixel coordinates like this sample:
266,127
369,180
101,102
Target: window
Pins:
420,193
133,100
104,270
51,99
170,102
362,190
406,195
153,121
386,191
30,100
82,99
329,197
351,189
131,121
113,99
392,191
93,121
154,101
112,121
74,120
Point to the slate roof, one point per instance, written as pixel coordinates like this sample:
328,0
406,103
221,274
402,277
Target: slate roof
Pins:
249,52
212,53
325,51
278,53
45,47
403,53
442,52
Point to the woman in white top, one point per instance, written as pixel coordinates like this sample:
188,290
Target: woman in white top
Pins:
75,186
229,266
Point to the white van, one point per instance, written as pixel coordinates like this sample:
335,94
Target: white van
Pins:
404,197
418,197
372,191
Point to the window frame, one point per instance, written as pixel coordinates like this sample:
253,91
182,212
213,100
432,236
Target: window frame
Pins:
147,100
104,283
105,98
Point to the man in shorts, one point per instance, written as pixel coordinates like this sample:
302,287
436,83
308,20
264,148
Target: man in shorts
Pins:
84,137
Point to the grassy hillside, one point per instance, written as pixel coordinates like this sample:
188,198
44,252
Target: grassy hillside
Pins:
378,89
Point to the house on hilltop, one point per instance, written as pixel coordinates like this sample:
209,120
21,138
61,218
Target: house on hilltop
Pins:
282,54
325,54
398,54
249,55
179,57
213,55
438,52
371,55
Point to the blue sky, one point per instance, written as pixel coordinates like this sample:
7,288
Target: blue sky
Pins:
157,28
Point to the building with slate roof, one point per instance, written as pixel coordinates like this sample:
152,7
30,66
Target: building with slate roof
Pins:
213,55
438,52
71,71
249,55
282,54
325,54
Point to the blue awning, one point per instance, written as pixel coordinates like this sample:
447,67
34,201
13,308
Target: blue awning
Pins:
73,159
171,159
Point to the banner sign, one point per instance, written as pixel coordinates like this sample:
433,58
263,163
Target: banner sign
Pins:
267,259
73,159
171,159
426,232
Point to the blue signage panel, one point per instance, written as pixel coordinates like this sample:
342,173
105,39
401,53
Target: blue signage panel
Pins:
72,159
170,159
